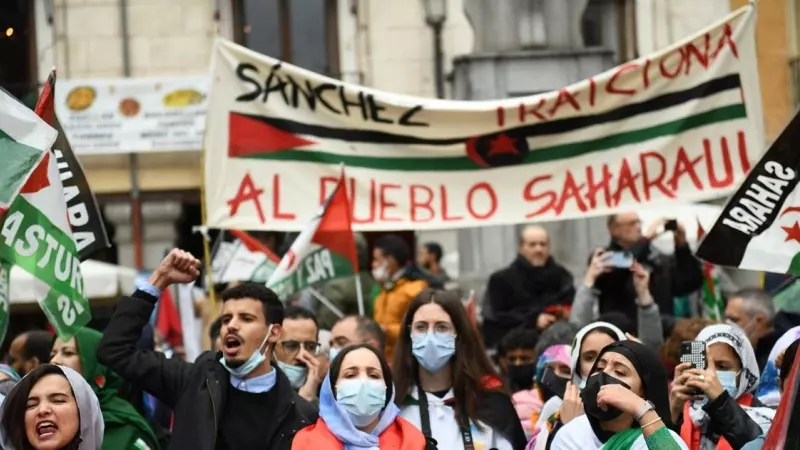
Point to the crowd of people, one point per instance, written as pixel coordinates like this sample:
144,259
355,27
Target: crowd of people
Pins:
555,365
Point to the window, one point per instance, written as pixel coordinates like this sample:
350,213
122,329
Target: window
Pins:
300,32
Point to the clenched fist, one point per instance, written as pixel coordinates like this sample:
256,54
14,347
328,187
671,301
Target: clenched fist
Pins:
178,267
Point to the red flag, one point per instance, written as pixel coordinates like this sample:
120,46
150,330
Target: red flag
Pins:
168,321
254,245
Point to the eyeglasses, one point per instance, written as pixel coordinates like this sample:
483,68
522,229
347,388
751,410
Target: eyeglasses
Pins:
438,327
292,347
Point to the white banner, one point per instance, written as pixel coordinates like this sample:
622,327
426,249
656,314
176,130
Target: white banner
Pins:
682,124
129,115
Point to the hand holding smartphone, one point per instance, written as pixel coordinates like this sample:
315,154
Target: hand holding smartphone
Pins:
694,353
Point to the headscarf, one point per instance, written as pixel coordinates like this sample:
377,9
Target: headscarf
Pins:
578,343
12,374
767,391
748,377
554,354
91,419
339,424
531,410
125,424
584,432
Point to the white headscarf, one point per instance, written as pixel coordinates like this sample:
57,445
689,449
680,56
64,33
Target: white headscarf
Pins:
748,377
92,426
575,356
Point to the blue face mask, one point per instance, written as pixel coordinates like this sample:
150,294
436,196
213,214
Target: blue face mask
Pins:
250,365
433,350
333,353
362,398
727,379
297,375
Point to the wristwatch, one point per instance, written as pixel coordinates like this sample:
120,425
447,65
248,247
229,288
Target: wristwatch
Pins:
648,406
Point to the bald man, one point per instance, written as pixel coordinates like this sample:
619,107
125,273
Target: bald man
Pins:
531,292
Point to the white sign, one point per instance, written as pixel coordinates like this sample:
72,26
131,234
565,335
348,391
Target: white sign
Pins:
129,115
683,124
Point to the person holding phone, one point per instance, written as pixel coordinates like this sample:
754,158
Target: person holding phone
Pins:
726,414
669,276
587,298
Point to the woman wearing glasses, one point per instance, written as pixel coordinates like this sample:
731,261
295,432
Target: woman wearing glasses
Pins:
446,385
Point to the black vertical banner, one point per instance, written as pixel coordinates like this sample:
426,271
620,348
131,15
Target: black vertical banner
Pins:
88,229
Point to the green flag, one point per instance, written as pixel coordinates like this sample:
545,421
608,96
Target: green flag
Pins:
35,232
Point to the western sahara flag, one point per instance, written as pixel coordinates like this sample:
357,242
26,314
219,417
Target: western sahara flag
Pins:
87,225
711,293
325,250
759,229
35,233
243,259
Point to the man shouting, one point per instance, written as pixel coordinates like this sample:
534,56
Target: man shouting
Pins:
234,399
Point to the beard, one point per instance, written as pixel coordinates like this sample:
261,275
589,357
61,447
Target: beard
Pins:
235,363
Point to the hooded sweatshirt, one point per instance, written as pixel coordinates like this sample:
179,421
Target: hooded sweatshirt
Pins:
91,431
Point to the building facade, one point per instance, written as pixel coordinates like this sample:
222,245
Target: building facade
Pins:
386,45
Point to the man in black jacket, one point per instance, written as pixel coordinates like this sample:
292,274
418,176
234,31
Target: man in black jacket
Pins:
531,293
670,276
234,399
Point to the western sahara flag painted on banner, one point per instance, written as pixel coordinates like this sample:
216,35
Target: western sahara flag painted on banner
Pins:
325,250
88,229
243,259
35,232
759,229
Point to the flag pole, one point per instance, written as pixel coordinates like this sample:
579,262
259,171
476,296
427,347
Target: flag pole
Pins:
328,304
360,295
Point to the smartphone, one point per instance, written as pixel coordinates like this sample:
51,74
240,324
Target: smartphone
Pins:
555,383
620,260
694,352
671,225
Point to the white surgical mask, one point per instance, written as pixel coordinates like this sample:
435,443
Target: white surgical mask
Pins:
381,273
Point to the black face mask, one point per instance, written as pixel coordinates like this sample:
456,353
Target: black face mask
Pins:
521,377
589,396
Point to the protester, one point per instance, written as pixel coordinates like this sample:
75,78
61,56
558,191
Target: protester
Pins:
213,335
440,353
29,350
52,408
626,402
516,357
429,258
354,330
399,281
239,401
754,311
587,345
728,415
532,292
125,429
684,330
343,293
529,402
297,349
670,276
357,409
648,315
768,391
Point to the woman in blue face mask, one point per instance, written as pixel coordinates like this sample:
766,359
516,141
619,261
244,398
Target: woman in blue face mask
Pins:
356,407
446,384
726,414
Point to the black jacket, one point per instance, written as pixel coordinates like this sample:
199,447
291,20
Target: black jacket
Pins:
783,322
728,419
517,295
670,277
196,392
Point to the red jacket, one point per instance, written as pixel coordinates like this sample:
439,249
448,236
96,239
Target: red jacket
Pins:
401,435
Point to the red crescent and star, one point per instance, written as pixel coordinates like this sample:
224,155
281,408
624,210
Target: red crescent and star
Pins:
792,232
502,145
